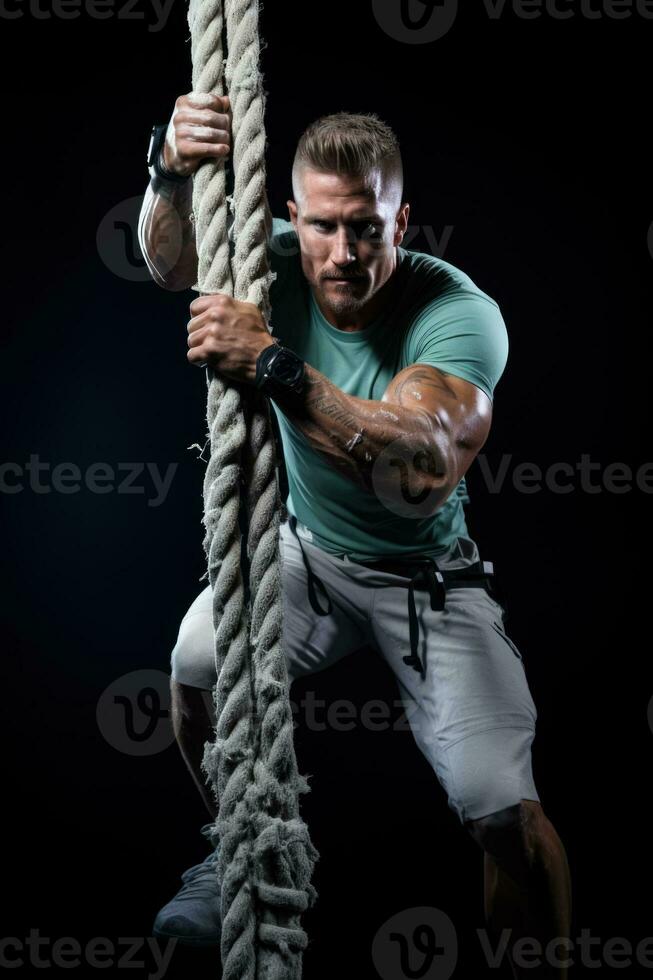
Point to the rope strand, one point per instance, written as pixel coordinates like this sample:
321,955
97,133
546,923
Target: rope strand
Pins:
266,858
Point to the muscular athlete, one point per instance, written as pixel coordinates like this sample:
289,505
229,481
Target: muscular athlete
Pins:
410,350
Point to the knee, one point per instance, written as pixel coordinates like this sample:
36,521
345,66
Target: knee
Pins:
193,657
509,833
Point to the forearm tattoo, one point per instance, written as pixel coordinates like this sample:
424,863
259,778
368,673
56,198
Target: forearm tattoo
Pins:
351,433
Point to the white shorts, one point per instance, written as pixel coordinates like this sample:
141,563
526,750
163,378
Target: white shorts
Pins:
472,714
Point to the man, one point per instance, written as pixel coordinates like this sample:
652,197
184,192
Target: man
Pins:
399,355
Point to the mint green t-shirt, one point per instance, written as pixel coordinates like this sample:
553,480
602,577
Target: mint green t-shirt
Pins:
441,318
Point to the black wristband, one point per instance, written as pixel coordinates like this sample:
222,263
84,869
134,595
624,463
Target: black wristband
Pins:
155,157
165,174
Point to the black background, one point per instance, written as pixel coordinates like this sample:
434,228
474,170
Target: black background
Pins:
529,138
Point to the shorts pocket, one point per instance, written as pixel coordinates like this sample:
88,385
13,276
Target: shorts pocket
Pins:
498,629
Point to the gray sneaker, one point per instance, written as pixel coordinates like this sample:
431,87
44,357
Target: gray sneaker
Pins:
193,915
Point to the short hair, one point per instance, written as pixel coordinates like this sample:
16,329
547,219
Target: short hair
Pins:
350,143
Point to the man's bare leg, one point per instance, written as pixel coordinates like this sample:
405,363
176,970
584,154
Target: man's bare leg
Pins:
193,722
527,885
193,915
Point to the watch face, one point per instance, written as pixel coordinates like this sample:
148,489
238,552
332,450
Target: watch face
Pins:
287,368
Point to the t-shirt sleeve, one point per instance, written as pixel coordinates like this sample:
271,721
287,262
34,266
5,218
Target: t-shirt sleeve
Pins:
463,335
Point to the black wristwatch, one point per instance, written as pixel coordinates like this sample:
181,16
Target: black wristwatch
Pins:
278,370
155,157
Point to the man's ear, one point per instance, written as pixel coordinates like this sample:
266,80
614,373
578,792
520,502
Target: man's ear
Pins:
292,211
401,223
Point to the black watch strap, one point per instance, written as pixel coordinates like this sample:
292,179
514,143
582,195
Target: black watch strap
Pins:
155,157
270,381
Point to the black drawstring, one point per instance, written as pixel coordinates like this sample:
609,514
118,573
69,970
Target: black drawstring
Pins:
477,574
292,520
435,584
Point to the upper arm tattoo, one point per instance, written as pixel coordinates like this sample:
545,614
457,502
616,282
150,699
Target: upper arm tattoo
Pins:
455,403
423,376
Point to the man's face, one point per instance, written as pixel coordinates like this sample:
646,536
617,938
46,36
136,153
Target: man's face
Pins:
348,228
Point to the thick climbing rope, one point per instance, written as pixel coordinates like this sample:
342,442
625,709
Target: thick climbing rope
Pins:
266,858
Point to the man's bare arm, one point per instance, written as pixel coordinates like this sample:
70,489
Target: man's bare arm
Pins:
422,435
434,422
200,127
166,234
459,412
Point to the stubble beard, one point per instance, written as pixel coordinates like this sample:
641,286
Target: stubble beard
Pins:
341,299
